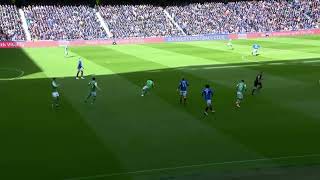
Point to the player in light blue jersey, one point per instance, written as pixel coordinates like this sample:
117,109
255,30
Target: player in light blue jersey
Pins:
255,49
80,69
229,44
183,87
66,53
207,94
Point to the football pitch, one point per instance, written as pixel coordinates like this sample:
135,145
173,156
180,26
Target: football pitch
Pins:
274,135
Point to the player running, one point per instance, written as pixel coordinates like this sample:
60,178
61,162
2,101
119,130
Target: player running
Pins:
255,49
55,93
229,44
66,53
207,94
80,69
183,86
147,87
257,85
93,86
241,88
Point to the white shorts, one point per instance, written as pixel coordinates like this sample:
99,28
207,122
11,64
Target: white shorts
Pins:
94,94
145,88
255,51
80,69
209,102
183,93
239,95
55,94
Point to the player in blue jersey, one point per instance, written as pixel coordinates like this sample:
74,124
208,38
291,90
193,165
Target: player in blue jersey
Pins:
207,94
183,87
80,69
66,51
255,49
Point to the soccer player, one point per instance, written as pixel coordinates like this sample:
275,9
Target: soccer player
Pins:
257,85
80,69
207,94
55,93
66,51
147,87
183,86
241,88
93,86
255,49
230,44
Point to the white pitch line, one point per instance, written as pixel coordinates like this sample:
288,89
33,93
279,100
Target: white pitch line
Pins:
276,63
231,66
311,61
193,166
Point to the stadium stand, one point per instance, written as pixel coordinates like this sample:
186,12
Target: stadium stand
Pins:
125,21
63,22
246,16
138,21
10,24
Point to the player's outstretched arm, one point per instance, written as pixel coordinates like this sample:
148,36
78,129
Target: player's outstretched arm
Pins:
98,87
55,84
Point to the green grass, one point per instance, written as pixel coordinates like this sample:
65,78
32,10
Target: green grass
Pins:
125,136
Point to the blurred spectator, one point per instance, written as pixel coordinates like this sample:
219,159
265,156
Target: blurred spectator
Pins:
138,21
10,24
63,22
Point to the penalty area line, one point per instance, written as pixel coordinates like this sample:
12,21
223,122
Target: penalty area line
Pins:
194,166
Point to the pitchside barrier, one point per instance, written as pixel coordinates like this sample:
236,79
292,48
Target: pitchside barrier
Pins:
36,44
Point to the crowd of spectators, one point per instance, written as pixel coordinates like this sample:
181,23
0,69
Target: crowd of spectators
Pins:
247,16
63,23
10,24
81,22
138,21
